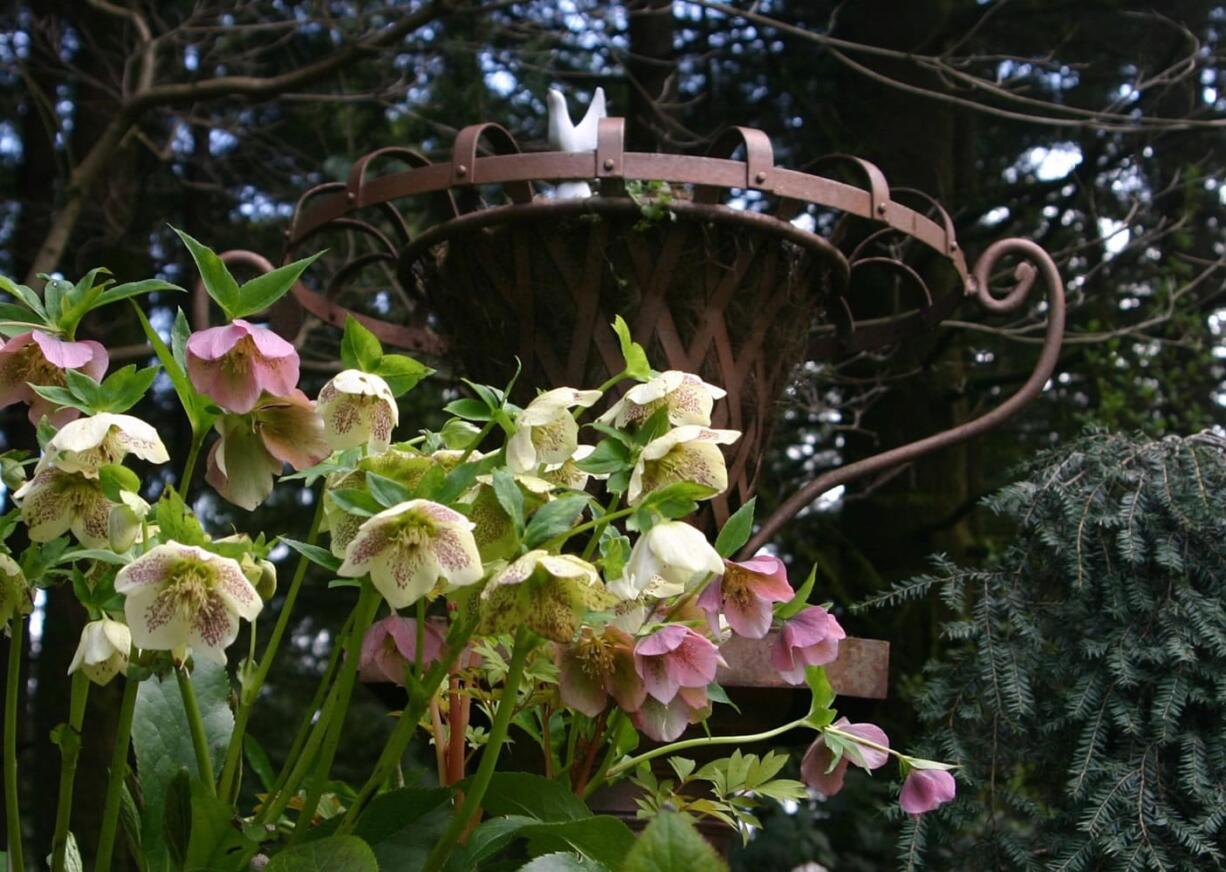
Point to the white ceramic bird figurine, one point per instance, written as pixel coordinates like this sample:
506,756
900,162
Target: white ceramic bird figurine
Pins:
565,136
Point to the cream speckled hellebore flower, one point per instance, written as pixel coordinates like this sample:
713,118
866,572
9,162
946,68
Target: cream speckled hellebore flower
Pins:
358,408
665,560
54,502
87,444
409,547
547,593
103,651
546,432
689,453
181,596
687,397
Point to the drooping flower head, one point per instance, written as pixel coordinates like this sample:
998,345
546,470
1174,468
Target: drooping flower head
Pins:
54,502
103,651
926,789
234,364
16,598
37,358
665,561
182,597
674,657
358,408
253,448
410,547
598,665
545,431
548,593
87,444
687,397
390,647
690,453
745,592
818,768
811,638
665,722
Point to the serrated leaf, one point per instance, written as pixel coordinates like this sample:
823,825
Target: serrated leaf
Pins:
331,854
218,281
553,519
62,397
469,409
387,492
677,499
193,403
319,556
401,372
355,502
820,712
637,366
134,289
670,843
609,455
360,348
84,388
800,601
26,295
264,290
401,826
736,530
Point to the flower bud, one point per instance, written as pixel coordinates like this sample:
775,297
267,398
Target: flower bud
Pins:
123,525
12,473
266,584
103,651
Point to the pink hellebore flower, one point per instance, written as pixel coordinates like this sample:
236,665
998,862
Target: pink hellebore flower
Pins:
744,595
666,723
816,768
675,657
234,364
390,646
926,789
37,358
809,639
597,666
253,448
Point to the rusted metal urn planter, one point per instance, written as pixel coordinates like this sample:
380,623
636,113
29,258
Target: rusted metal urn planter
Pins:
733,268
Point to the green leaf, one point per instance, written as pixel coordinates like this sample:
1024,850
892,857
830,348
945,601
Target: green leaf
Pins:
401,826
134,289
218,281
319,556
163,744
521,793
360,349
179,334
820,711
194,405
388,493
654,427
264,290
115,478
671,844
492,397
469,409
677,499
563,862
54,292
355,502
84,388
333,854
609,455
124,388
401,372
257,759
736,530
510,497
800,601
27,296
457,481
553,519
214,842
62,397
176,522
91,554
637,366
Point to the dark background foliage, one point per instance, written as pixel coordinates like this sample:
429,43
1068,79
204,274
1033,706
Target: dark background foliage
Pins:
1093,127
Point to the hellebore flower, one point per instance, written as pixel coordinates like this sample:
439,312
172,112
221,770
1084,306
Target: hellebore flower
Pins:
545,431
547,593
87,444
596,666
16,598
181,596
358,408
665,560
103,651
687,397
675,657
926,789
390,646
811,638
37,358
408,548
253,448
745,593
818,768
54,502
234,364
568,474
666,722
123,525
689,453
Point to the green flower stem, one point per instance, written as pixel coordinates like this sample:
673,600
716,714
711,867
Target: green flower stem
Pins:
420,695
11,799
613,380
280,799
114,784
70,750
867,743
558,541
251,688
489,756
189,468
701,742
594,540
477,440
368,606
204,760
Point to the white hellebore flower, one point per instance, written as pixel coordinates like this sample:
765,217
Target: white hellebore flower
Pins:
125,520
86,444
545,431
358,408
547,593
181,596
687,397
689,453
54,502
665,560
103,651
409,547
